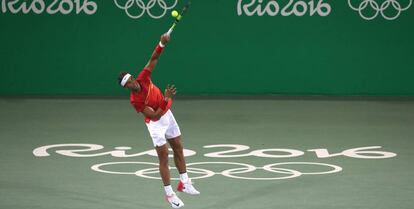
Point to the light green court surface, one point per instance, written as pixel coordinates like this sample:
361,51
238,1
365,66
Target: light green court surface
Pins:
285,126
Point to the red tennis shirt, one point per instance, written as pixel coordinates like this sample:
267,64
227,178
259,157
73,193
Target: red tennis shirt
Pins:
150,95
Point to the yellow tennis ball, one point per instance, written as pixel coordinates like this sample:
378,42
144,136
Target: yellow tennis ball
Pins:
174,13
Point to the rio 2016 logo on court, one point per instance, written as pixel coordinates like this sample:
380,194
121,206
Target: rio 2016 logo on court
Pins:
206,169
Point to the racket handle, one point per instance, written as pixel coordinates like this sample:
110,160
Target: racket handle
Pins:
170,31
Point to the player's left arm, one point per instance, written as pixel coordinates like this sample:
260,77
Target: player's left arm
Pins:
170,91
154,115
165,38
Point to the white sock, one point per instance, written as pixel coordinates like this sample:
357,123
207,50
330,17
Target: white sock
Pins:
168,190
184,177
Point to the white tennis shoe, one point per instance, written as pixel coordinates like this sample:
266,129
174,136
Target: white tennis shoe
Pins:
174,201
187,187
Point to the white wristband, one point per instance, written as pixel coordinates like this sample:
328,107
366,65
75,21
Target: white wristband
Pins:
161,45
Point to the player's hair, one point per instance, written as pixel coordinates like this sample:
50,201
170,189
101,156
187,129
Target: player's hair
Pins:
121,76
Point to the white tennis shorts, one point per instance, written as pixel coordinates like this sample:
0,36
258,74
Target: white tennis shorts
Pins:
165,128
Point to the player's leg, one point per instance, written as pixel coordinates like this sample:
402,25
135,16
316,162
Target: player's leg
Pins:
162,153
157,132
177,148
170,196
185,184
173,134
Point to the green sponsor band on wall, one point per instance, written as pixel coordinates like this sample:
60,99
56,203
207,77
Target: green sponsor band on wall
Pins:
289,47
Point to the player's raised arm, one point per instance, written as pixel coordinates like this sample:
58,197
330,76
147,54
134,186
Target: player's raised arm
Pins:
165,38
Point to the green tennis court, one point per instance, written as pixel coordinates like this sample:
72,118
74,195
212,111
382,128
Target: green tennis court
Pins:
242,153
282,104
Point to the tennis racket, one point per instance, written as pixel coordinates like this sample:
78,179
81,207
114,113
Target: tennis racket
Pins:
179,17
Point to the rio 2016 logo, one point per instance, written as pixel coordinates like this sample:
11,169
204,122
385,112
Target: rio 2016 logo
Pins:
367,9
206,169
288,8
52,7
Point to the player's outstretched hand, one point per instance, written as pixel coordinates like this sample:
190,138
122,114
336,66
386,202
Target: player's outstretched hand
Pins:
165,38
170,91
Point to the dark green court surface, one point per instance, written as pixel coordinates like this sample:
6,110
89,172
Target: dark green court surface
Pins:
253,153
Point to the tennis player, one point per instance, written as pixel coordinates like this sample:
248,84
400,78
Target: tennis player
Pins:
148,99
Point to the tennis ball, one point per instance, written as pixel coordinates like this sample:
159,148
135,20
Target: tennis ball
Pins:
174,13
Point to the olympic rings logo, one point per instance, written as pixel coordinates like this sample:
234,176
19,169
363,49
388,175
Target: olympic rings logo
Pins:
145,7
200,173
365,5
